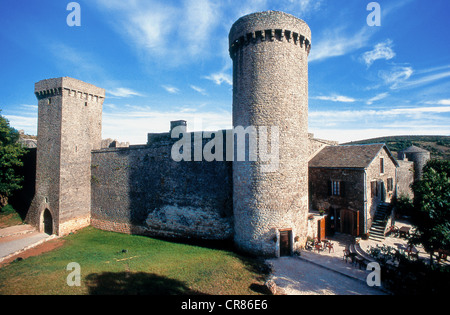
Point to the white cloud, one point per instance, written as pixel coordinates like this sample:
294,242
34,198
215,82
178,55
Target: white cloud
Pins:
170,89
335,43
380,51
123,92
163,30
199,90
423,80
396,76
440,102
335,98
444,102
220,77
377,98
200,18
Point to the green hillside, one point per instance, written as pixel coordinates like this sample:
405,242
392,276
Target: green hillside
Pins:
439,146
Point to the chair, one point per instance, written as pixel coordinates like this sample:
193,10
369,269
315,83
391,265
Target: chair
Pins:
330,247
318,247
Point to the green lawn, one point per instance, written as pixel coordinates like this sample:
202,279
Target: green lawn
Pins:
113,263
9,217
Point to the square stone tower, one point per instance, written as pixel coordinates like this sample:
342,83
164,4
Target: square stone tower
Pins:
69,128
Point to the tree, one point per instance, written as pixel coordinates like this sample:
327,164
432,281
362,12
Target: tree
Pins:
431,214
10,153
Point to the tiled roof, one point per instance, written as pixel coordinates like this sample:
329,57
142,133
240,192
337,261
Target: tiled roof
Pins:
346,156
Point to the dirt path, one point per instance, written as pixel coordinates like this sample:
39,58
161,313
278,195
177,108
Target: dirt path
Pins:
35,251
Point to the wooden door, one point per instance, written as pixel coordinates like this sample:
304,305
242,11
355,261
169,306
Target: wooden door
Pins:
321,229
285,243
350,222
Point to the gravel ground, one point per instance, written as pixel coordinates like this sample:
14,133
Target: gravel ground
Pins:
300,277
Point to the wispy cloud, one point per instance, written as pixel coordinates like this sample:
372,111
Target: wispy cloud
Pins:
404,77
23,117
380,51
123,92
170,89
396,76
334,43
423,80
220,77
335,98
440,102
199,90
377,98
162,29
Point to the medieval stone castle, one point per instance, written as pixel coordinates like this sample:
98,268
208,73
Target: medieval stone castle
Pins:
139,189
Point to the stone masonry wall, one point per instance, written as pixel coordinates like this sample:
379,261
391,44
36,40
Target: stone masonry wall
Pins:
141,190
405,178
270,88
70,119
374,175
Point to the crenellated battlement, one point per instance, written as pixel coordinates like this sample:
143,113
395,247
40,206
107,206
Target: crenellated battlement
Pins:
68,92
270,35
68,87
48,93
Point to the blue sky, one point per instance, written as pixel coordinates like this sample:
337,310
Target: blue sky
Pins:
167,60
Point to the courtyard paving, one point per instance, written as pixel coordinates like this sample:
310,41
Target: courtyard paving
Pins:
327,273
301,277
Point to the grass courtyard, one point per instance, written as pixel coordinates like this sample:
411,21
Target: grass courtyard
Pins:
113,263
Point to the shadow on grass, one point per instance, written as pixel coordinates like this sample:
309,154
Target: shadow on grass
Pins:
141,283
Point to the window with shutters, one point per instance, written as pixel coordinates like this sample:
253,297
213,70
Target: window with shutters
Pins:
374,189
390,184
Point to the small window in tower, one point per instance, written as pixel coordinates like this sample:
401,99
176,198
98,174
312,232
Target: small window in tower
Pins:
49,100
85,103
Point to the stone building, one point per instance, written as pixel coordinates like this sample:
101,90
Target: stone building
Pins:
349,182
142,189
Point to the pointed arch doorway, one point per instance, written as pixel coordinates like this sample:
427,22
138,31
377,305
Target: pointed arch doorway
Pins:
47,222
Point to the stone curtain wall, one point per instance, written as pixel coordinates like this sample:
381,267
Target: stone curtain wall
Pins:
141,190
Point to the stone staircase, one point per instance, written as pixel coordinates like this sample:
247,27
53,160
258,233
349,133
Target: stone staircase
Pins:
376,232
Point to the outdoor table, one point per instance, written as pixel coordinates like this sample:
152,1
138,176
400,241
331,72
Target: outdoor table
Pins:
404,231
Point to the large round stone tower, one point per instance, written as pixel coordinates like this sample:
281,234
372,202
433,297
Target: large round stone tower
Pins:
270,92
